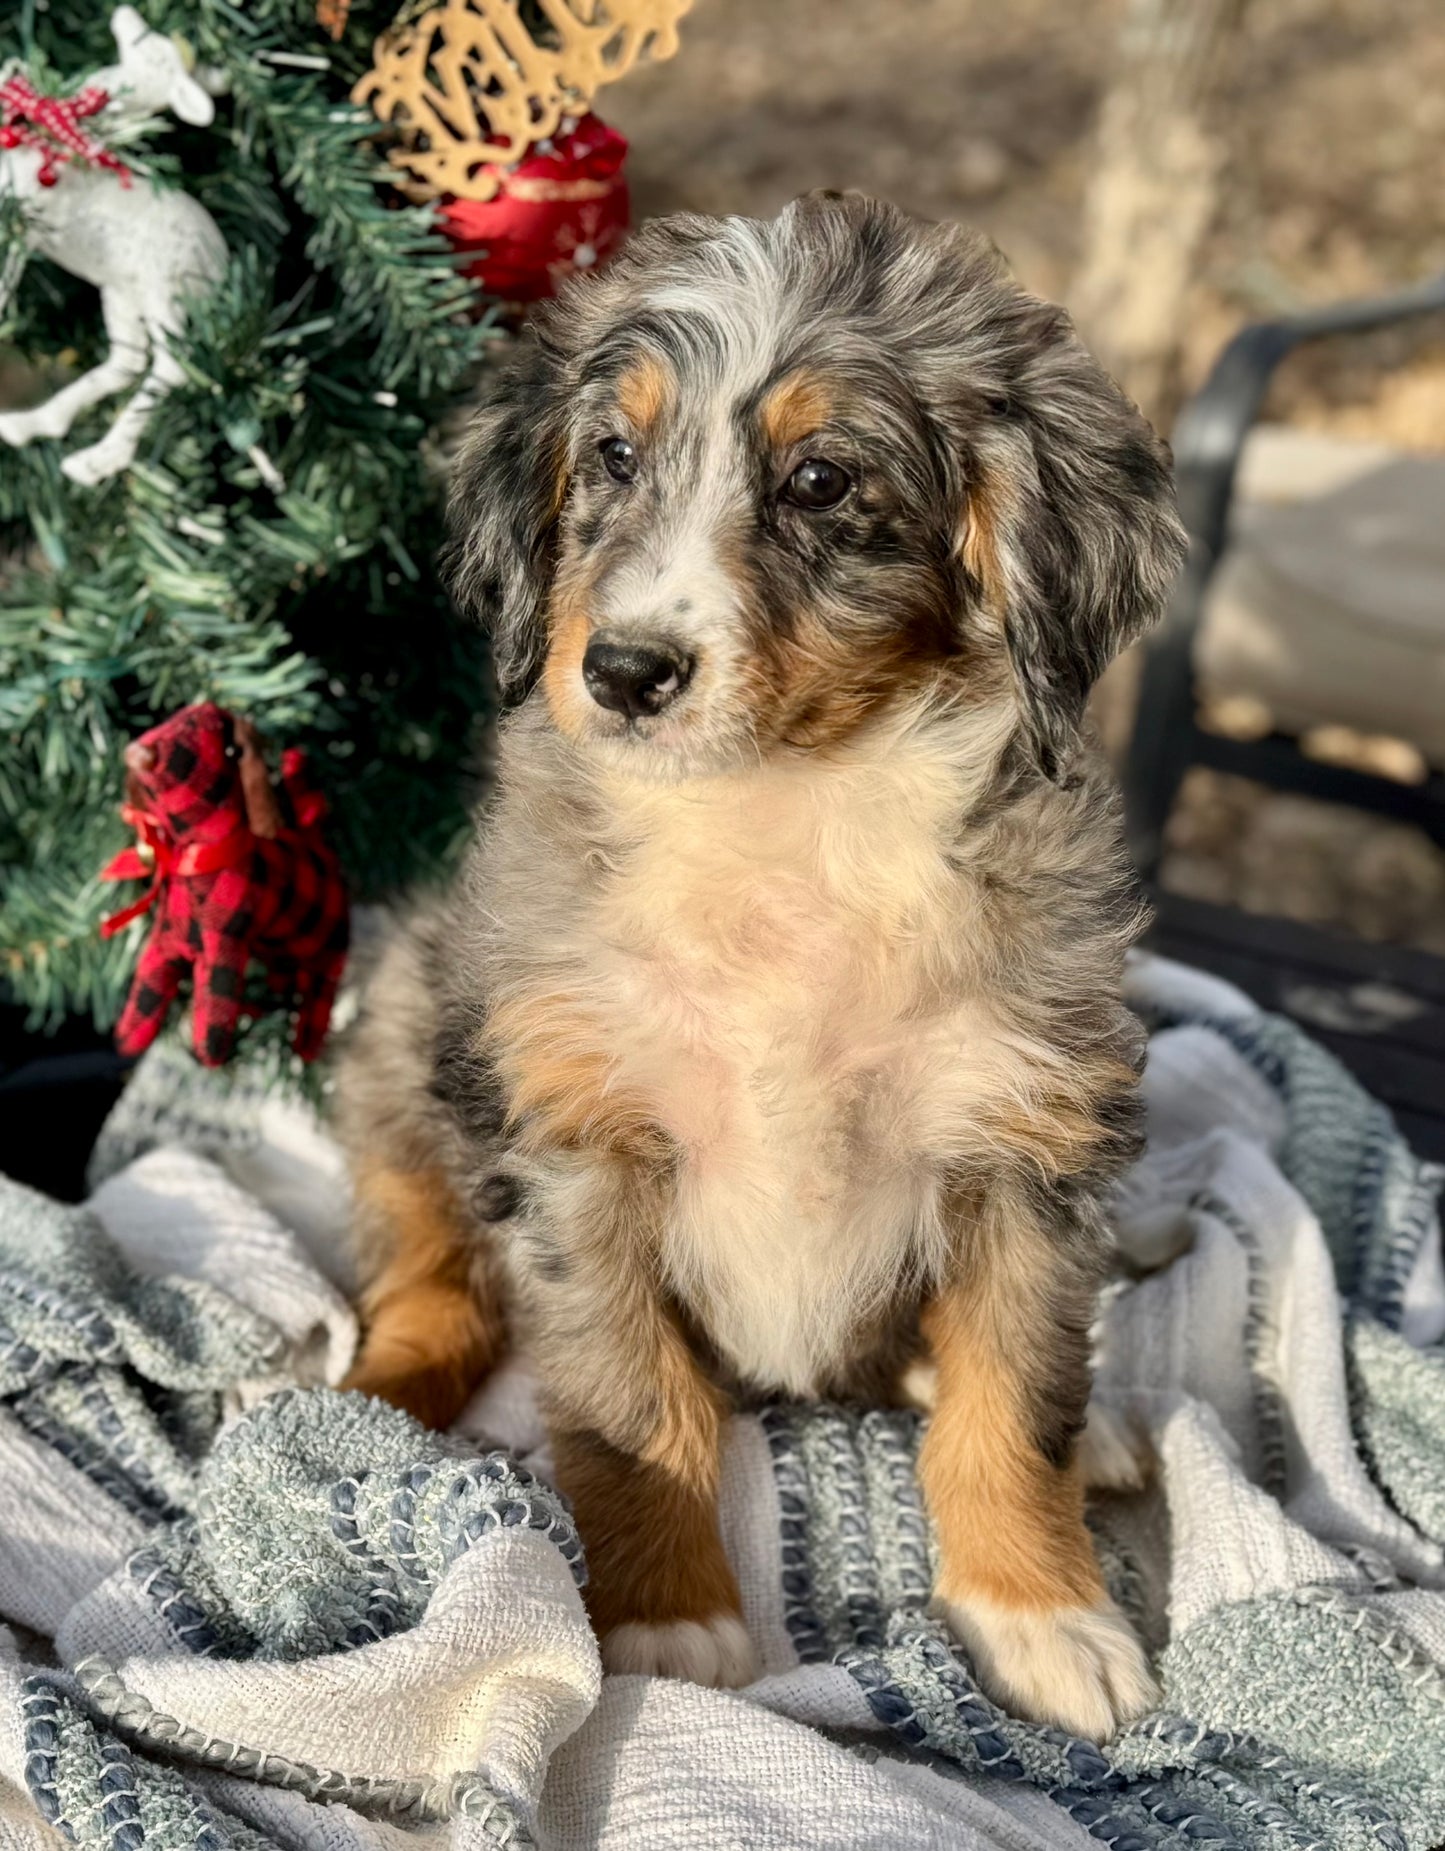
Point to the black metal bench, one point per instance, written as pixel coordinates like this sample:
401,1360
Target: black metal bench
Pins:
1380,1008
1208,442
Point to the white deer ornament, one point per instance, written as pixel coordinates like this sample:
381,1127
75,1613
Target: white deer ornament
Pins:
147,250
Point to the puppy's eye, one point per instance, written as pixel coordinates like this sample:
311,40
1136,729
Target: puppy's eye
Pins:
619,458
817,484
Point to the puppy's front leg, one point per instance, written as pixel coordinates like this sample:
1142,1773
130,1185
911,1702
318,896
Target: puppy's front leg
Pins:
1018,1580
636,1427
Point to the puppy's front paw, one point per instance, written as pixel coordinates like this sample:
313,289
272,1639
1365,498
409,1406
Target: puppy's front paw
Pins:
1077,1668
717,1652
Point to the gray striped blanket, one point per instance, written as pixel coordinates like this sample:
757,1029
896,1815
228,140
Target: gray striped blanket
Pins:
243,1609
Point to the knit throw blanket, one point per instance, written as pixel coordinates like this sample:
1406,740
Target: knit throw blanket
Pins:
246,1610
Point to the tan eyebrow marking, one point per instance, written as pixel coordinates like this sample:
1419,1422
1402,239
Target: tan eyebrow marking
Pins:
793,408
644,392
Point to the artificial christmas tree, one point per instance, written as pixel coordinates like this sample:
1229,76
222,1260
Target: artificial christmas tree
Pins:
269,546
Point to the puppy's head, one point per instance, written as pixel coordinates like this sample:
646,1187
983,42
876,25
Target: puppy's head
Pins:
760,480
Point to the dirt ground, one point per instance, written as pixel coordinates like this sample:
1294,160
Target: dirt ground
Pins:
1334,121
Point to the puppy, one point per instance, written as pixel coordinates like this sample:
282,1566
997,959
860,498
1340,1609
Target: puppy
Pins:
771,1042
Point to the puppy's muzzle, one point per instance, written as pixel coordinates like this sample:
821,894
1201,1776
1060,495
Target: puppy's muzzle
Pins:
635,678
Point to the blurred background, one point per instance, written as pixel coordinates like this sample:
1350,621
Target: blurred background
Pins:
1171,172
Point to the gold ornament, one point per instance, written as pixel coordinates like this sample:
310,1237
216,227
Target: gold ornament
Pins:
472,90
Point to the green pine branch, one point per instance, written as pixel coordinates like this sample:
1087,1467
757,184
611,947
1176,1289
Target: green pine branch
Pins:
272,548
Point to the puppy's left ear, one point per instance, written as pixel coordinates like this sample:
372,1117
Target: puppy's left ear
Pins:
507,491
1071,528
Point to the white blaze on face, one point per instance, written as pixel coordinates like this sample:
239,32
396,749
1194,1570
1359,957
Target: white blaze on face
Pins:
678,585
675,587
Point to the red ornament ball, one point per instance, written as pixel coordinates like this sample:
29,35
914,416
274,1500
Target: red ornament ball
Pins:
562,209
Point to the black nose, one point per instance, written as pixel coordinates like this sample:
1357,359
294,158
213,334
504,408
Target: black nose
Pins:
634,678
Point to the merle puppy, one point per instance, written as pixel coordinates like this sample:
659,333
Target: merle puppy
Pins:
772,1042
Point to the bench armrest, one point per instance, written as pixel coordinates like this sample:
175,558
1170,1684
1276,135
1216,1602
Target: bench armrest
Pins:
1208,441
1213,426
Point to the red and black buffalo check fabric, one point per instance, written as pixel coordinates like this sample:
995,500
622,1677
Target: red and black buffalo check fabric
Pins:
226,897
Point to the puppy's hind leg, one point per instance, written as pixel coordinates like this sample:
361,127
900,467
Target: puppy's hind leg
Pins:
432,1315
431,1303
1114,1451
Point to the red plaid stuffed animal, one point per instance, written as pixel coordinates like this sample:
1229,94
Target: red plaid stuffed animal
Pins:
239,873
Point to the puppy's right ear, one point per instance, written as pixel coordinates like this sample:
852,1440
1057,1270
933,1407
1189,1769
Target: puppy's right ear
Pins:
507,491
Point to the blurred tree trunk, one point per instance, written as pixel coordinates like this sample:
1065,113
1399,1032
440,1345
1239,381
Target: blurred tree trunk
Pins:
1152,192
